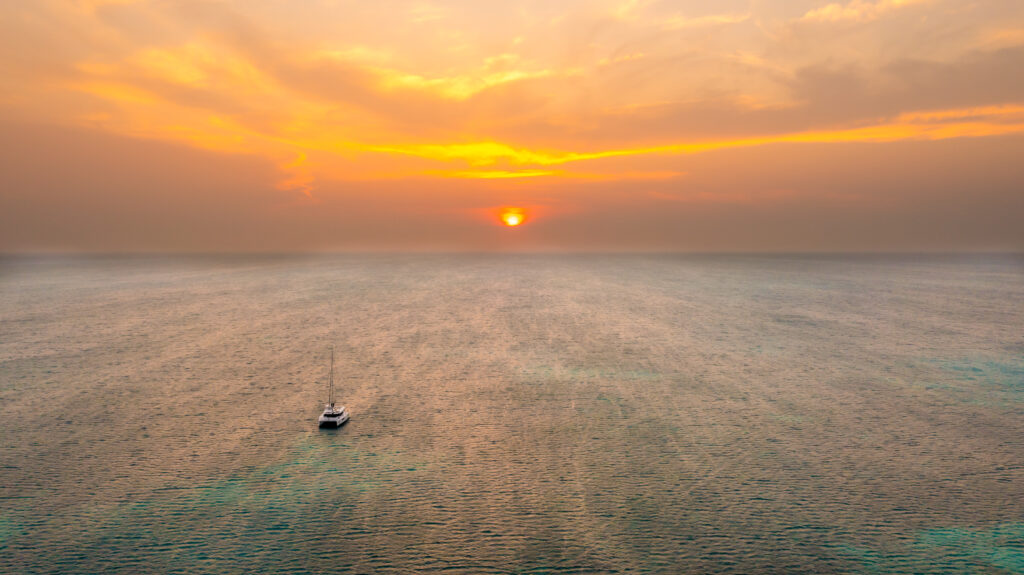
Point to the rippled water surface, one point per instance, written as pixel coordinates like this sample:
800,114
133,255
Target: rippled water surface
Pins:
513,414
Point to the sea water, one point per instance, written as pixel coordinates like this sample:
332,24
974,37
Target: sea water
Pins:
512,414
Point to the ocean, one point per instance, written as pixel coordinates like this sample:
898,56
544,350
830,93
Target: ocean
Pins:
512,414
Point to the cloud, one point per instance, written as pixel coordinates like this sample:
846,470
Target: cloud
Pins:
298,176
456,87
853,108
627,9
911,126
1007,112
497,174
1000,38
977,79
679,22
857,10
91,6
421,12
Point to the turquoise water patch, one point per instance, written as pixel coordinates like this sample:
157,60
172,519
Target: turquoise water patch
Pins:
9,529
949,550
235,521
1008,373
1001,546
979,380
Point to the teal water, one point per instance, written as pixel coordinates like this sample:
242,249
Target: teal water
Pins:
513,414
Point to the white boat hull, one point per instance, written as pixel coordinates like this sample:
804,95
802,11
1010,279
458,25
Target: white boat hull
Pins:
337,420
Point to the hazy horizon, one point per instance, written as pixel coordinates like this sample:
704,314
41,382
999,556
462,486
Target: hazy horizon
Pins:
88,254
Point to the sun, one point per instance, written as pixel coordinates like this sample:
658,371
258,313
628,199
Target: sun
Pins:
512,216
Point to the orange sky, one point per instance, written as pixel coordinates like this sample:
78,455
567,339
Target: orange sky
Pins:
133,125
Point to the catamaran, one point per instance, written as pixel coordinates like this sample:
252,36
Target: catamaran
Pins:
333,416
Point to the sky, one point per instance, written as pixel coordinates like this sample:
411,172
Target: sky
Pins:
620,125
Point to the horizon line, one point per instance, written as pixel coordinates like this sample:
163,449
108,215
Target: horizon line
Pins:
638,252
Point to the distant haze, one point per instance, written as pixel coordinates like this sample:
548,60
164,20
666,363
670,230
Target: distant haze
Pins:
628,125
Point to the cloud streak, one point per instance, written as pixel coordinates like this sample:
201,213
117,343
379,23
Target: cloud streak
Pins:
857,10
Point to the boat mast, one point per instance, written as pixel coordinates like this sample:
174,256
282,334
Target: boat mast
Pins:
331,393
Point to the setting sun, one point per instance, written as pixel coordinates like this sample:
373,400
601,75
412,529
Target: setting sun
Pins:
512,216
